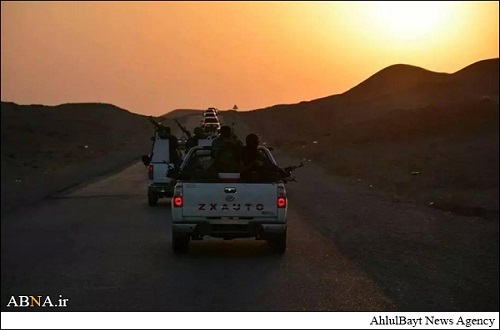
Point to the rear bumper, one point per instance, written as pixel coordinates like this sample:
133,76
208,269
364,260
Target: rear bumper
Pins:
237,229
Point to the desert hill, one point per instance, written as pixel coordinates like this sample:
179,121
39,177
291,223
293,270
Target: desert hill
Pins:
46,148
35,134
392,97
401,120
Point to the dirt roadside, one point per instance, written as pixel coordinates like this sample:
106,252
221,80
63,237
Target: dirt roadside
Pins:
34,187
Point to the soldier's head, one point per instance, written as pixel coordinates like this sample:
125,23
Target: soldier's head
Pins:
252,140
225,131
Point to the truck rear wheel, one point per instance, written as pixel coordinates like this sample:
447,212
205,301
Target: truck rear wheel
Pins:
180,242
277,242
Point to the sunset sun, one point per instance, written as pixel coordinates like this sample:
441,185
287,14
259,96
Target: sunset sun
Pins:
408,19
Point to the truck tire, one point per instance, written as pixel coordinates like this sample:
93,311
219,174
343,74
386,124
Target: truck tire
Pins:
180,242
277,242
152,198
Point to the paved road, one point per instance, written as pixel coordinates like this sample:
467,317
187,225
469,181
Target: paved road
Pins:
105,249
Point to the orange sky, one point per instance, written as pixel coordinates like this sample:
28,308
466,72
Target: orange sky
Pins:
153,57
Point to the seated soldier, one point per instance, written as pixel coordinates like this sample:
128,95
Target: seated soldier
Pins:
250,152
226,152
193,140
256,166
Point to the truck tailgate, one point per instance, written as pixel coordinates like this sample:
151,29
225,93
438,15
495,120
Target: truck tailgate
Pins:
160,171
243,200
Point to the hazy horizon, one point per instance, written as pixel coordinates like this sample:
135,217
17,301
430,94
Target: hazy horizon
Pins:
154,57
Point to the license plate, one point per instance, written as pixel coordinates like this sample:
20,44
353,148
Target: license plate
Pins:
228,220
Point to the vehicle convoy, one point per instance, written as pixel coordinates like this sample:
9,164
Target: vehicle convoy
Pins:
223,205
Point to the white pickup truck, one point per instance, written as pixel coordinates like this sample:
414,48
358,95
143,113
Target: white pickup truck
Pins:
225,206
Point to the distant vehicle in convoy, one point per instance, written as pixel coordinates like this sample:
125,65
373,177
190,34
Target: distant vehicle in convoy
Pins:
160,162
210,124
210,120
210,112
159,165
209,115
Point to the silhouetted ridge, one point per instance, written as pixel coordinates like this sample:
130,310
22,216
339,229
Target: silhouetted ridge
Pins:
480,77
483,67
395,78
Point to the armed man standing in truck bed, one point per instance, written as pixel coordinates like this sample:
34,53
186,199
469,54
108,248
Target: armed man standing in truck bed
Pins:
164,132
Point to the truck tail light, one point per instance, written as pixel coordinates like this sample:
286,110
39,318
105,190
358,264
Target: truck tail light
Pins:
151,170
177,199
282,200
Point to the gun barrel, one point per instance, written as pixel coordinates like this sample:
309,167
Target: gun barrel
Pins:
153,121
183,129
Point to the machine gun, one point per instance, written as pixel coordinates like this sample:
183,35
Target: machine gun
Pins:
289,169
183,129
157,125
163,131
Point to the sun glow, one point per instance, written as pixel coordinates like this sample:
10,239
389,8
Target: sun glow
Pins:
409,19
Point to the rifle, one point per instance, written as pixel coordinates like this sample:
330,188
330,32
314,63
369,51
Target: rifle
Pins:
162,130
183,129
157,125
289,169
